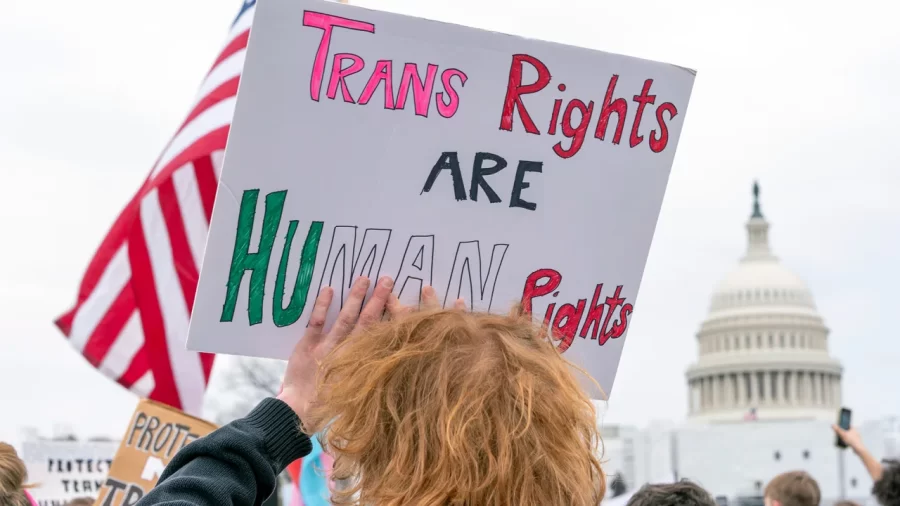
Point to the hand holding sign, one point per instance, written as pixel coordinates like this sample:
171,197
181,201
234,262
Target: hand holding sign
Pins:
299,390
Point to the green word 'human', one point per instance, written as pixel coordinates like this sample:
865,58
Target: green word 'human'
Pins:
258,263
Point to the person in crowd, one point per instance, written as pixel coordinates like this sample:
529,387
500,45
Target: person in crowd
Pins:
81,501
887,489
793,488
886,476
431,407
682,493
13,479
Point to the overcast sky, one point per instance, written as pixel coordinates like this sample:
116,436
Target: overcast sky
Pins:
802,95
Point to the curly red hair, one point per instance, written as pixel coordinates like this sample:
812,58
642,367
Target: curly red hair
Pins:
454,408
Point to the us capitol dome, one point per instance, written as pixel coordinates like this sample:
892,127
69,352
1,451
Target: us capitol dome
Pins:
763,346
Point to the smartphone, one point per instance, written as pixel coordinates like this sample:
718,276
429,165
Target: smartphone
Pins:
844,423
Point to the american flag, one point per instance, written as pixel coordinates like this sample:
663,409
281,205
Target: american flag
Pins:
131,317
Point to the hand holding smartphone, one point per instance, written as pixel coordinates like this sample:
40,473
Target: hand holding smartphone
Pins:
844,423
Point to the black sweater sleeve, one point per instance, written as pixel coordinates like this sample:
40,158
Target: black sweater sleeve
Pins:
236,465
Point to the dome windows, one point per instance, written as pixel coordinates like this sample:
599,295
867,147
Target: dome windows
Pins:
761,295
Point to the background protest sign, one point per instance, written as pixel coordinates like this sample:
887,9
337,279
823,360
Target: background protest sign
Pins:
495,168
65,470
154,436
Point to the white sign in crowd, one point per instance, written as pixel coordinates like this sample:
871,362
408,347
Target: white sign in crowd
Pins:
496,168
65,470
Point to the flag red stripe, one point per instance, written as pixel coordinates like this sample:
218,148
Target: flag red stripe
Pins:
224,91
136,370
64,322
182,256
236,44
110,326
206,183
213,141
165,390
207,360
108,248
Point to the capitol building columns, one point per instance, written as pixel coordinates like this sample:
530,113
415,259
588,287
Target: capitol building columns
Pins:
836,388
765,387
763,345
755,399
779,387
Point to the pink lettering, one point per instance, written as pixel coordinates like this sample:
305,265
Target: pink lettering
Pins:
448,109
338,73
382,73
568,318
346,65
575,126
421,92
326,23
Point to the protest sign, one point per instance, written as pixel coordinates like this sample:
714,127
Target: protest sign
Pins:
65,470
154,436
495,168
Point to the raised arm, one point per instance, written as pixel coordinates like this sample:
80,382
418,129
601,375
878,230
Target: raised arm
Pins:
237,464
854,441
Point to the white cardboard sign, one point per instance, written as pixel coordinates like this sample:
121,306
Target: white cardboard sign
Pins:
493,167
66,470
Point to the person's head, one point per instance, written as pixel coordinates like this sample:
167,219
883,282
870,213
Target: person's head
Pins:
81,501
682,493
887,489
449,407
13,478
794,488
